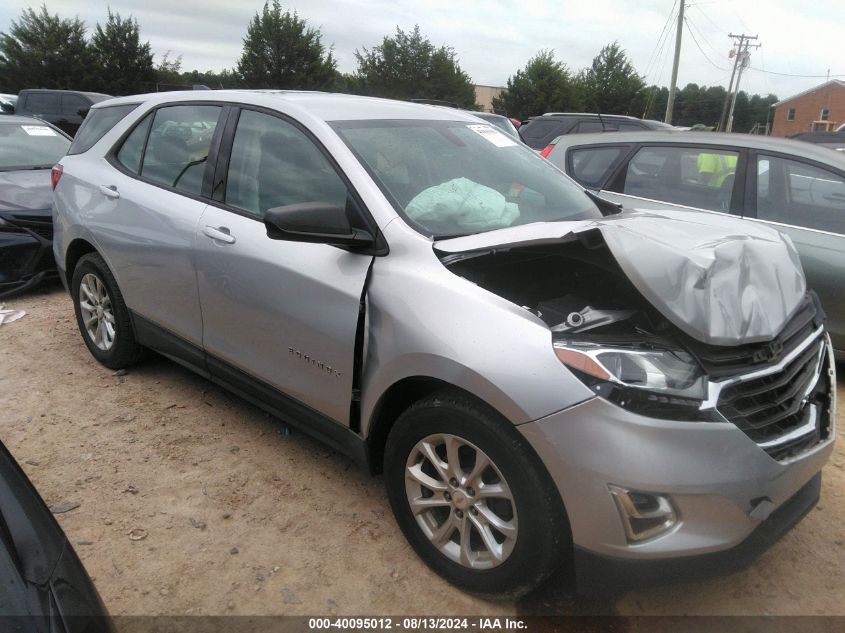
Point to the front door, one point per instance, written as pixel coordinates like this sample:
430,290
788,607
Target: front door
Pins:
283,313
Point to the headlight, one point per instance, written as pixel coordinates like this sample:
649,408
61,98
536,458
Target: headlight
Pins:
665,383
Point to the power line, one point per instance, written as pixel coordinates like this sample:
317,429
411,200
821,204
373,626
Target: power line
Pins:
772,72
661,42
701,50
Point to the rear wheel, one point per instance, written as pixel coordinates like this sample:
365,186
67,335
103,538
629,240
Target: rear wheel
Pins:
472,498
102,315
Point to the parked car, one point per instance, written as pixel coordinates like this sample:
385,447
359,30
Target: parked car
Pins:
832,140
28,150
66,109
795,187
539,131
639,395
43,585
7,103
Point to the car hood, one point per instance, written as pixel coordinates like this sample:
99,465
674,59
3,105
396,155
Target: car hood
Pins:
25,190
721,280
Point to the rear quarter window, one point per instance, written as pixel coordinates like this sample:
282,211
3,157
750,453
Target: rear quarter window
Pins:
590,165
98,122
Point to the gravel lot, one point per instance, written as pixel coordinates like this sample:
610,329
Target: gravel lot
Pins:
233,515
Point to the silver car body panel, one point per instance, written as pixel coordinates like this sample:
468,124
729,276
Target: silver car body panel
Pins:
285,313
718,279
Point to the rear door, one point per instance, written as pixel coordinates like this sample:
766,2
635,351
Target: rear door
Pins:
279,316
806,200
145,208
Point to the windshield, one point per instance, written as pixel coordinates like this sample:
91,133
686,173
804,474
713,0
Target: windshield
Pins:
30,146
450,178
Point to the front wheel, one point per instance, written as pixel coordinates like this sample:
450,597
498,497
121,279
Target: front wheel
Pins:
472,497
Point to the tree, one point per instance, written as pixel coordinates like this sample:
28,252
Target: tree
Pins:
544,85
123,64
282,51
409,66
44,51
611,84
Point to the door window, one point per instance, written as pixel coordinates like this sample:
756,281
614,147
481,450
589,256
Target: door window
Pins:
71,104
129,154
177,147
696,177
591,164
800,194
42,103
273,164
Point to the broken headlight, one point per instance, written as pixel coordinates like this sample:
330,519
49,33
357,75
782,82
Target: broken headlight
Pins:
664,383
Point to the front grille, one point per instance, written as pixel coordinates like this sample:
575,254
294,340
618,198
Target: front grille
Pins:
769,407
724,361
40,226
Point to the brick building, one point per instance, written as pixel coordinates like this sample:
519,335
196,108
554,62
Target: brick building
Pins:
813,109
484,96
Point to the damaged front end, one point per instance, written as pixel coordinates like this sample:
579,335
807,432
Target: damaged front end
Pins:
672,319
26,249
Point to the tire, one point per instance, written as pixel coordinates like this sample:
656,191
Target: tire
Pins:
98,302
535,538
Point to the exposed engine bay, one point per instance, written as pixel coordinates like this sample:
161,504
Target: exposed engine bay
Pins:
575,288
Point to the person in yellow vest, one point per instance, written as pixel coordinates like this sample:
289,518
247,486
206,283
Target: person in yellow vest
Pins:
714,168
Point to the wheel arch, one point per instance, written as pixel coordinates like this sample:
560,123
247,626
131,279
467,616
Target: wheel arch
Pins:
75,251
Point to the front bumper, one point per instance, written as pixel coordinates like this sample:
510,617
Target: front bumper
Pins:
714,474
26,259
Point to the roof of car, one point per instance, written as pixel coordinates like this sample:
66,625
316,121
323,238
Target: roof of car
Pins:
772,144
323,105
20,119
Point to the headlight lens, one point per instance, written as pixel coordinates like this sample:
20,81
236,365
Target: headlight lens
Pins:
662,371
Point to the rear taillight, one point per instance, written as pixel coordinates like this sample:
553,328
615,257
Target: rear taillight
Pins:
55,175
545,152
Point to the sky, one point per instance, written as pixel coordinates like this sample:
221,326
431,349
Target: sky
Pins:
494,38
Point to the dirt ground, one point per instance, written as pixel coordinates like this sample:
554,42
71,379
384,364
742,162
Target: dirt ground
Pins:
235,516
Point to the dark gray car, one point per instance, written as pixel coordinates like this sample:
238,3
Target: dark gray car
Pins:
797,187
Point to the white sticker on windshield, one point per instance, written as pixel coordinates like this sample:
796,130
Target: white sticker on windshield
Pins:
38,130
493,135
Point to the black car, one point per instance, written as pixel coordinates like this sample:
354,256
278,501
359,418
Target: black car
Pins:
28,150
539,131
43,585
833,140
66,109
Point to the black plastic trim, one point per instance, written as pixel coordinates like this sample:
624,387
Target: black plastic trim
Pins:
252,389
595,573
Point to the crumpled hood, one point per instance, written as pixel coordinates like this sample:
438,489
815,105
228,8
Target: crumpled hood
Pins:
25,190
722,280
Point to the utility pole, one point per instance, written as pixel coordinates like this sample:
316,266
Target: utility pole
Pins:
742,63
670,104
730,87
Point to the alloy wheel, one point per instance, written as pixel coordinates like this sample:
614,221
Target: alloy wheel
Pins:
97,312
461,501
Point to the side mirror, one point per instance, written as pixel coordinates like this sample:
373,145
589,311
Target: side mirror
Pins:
316,222
83,112
8,108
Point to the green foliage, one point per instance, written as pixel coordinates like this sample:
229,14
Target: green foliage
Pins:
409,66
44,51
123,64
611,84
696,104
544,85
281,51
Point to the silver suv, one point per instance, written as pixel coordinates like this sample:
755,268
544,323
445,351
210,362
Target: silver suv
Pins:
542,380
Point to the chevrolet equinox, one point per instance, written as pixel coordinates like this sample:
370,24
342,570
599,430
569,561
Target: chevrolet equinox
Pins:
541,379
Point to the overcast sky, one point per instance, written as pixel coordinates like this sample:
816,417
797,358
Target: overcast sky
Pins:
494,38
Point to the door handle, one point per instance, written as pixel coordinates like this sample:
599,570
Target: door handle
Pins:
221,234
110,191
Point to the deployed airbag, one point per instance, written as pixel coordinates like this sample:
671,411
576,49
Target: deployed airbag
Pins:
461,201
